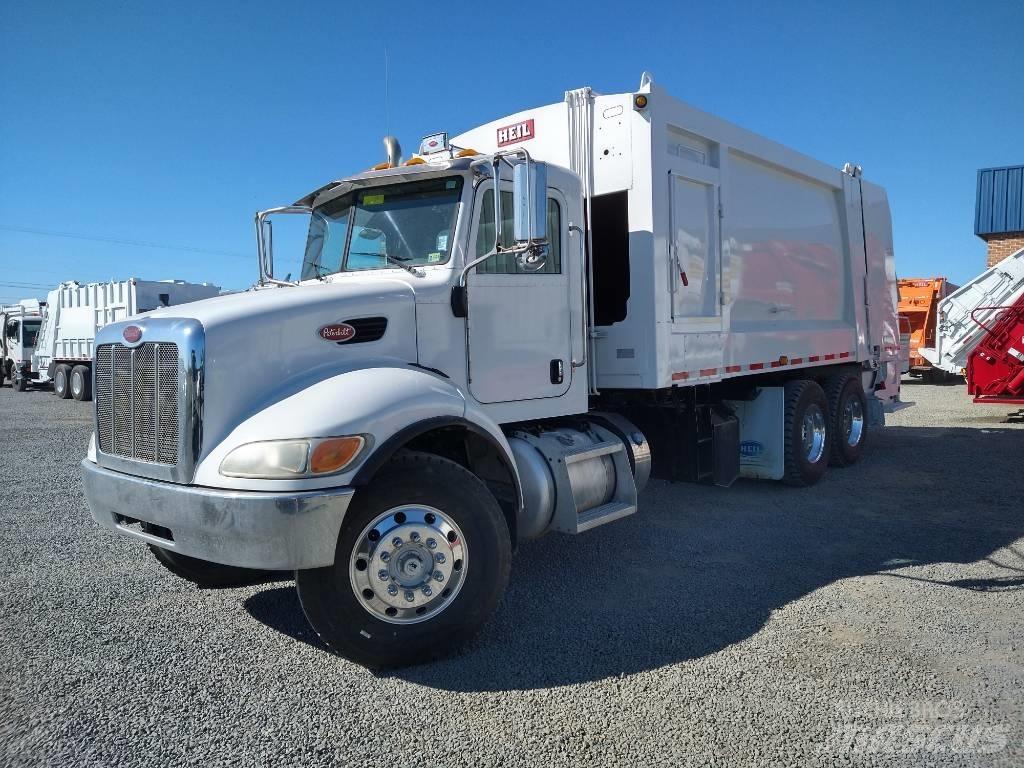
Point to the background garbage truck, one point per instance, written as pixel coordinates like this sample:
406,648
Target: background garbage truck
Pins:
20,325
75,312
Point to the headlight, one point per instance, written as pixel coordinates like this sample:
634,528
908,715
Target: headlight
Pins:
291,459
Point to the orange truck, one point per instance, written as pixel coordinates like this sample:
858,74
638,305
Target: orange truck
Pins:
919,308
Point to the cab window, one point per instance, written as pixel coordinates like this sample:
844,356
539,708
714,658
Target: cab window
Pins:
507,264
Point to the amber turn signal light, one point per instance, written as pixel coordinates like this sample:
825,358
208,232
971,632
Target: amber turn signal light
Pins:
334,453
639,101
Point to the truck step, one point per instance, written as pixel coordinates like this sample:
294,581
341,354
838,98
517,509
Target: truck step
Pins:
606,513
593,451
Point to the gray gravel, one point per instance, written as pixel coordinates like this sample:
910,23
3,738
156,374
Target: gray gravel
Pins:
871,620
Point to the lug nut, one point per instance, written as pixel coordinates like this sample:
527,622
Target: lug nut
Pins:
414,536
431,543
438,576
382,574
409,597
392,590
439,556
396,542
427,590
384,556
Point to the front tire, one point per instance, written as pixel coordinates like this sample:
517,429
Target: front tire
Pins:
18,381
422,560
206,574
806,433
81,383
61,381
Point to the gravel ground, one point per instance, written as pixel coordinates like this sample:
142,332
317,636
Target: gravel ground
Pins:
871,620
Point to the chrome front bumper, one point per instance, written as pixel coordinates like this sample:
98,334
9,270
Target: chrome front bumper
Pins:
276,531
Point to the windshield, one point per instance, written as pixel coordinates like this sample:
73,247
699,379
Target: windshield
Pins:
410,223
29,331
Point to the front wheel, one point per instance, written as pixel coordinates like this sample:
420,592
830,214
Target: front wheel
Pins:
18,381
422,560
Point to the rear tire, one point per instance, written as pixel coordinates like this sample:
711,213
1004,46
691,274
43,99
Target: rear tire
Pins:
204,573
806,433
81,383
61,381
378,605
848,409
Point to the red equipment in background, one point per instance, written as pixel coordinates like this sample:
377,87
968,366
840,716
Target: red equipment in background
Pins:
995,369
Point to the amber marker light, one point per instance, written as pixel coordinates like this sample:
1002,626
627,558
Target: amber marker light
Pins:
640,101
334,453
415,161
467,153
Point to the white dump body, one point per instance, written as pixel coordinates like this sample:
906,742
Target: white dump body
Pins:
75,312
956,333
735,255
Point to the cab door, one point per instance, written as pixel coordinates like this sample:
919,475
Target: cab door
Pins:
13,340
519,329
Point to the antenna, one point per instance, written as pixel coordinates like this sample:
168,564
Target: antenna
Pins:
387,114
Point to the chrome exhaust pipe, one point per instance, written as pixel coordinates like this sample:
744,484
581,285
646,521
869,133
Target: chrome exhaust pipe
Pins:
394,150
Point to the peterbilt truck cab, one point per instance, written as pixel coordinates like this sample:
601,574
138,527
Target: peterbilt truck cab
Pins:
501,337
349,425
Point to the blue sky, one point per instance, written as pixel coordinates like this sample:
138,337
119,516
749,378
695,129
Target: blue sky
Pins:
171,123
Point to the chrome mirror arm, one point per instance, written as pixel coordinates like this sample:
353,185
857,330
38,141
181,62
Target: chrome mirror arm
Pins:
265,240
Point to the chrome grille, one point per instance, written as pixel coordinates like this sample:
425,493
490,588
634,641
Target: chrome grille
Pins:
137,401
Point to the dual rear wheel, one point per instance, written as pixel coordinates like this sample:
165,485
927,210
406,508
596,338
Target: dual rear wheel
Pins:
72,381
822,426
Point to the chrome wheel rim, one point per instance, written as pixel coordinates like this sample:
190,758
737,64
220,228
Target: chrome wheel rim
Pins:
76,384
408,564
60,381
812,433
853,421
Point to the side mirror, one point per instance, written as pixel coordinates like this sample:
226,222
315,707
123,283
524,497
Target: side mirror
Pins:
530,202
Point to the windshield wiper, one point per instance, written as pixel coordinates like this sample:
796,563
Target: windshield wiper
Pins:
319,272
398,261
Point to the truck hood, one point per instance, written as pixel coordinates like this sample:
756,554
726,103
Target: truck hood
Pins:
264,345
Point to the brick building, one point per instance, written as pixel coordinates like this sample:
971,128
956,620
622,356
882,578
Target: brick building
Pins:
999,211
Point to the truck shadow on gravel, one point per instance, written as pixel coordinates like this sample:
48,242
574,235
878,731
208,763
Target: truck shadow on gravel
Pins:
698,569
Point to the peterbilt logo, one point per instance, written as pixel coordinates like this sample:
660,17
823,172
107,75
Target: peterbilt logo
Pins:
132,334
510,134
337,332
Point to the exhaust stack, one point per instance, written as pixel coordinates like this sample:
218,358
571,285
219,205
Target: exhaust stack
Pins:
394,150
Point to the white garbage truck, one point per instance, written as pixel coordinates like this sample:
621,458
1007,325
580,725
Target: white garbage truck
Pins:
75,311
503,336
20,325
966,315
